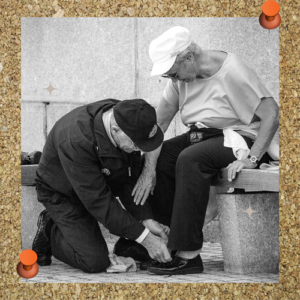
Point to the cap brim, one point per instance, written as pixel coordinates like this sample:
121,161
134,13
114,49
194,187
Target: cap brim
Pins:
161,68
153,143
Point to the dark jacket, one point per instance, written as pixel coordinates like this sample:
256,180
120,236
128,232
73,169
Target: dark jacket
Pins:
79,158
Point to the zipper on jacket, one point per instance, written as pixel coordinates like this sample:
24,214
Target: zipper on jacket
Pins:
97,153
129,171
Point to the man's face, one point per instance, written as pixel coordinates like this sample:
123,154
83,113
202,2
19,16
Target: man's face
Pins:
124,142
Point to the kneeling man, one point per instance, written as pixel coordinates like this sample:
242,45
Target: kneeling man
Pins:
91,156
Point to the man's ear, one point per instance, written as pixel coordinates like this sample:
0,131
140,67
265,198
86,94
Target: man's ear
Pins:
115,128
190,56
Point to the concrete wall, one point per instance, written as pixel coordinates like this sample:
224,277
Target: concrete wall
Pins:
88,59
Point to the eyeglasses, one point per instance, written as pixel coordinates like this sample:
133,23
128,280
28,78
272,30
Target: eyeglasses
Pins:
135,147
171,76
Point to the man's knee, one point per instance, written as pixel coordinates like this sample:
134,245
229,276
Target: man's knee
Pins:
95,264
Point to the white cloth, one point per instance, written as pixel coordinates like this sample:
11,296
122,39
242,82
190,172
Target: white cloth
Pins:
273,166
273,149
232,140
120,264
235,141
239,147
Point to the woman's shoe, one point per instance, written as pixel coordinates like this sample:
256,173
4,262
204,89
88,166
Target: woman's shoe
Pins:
178,266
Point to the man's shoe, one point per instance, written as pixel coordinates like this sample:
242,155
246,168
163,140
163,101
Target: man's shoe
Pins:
178,266
128,248
41,243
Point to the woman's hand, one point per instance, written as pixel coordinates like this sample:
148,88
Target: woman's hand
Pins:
237,166
145,184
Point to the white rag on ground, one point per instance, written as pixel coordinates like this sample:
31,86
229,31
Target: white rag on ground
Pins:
120,264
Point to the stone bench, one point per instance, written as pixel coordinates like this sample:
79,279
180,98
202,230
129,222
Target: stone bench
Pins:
249,221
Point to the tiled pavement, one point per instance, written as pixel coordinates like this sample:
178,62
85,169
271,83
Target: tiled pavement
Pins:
213,272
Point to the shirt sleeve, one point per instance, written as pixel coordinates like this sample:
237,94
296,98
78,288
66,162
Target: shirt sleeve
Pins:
83,171
244,90
142,236
171,93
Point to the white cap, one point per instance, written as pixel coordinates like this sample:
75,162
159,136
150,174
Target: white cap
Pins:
164,49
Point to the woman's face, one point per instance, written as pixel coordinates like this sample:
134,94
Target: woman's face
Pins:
182,71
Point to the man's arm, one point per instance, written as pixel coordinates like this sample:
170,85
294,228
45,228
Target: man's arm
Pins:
268,112
157,248
147,180
83,171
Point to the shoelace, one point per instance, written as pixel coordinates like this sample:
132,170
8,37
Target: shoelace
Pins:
175,261
154,262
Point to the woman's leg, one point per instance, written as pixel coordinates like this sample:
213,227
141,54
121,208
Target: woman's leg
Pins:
163,197
194,169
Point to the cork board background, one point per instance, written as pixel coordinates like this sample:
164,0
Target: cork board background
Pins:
11,13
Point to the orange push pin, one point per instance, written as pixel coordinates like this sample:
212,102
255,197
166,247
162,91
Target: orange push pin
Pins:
27,267
270,17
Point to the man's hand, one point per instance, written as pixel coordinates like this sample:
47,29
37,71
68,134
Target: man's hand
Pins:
237,166
157,229
145,185
156,247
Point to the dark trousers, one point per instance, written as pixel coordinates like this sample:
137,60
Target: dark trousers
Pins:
181,195
76,238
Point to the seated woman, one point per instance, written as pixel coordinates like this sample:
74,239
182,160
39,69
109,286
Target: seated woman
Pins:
216,91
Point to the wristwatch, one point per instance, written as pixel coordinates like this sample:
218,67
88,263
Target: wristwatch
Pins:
253,159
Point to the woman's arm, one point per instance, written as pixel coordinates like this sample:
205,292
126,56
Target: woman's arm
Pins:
268,112
165,114
146,182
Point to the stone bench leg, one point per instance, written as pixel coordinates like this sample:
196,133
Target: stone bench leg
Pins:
250,244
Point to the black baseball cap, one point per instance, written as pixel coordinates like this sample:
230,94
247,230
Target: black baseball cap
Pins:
137,119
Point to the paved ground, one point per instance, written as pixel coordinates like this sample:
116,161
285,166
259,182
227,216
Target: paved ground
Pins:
213,272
